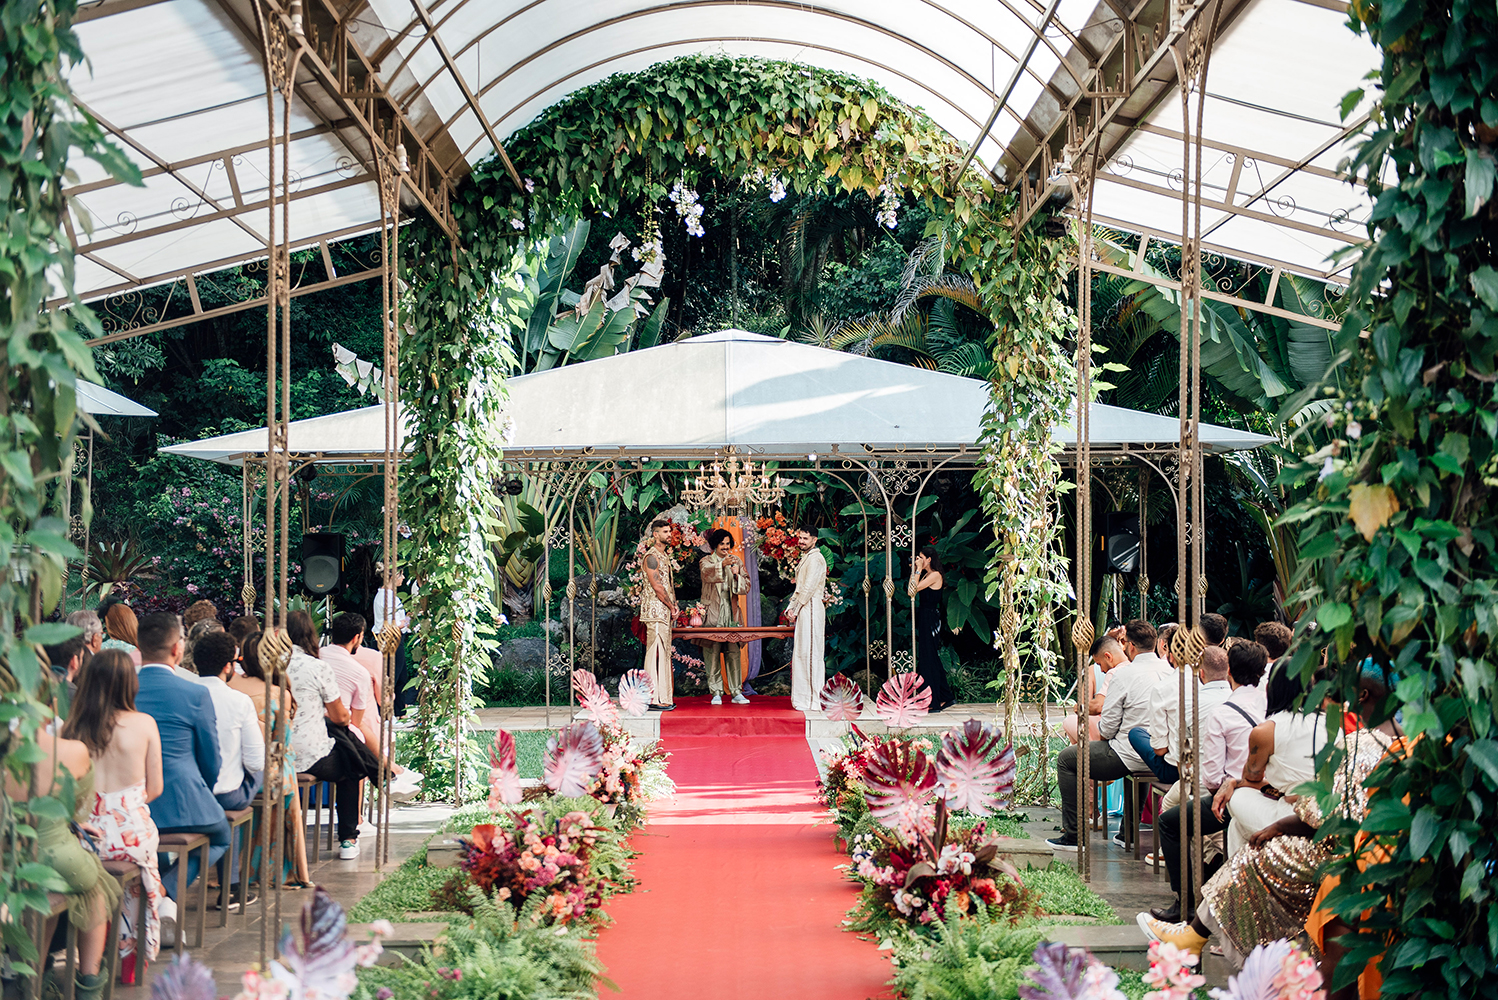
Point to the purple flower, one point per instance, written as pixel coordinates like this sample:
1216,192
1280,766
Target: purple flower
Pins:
385,993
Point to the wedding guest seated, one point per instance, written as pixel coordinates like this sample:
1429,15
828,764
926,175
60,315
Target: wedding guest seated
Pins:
1126,706
199,611
345,634
1094,692
254,684
65,658
323,745
120,624
1224,751
1281,758
91,892
240,742
93,628
242,628
126,749
190,759
187,669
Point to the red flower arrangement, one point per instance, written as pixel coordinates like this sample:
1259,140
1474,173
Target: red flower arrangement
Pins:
514,863
777,543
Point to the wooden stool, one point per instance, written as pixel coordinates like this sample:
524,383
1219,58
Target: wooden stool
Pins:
42,926
268,815
1144,786
182,845
237,818
127,873
307,789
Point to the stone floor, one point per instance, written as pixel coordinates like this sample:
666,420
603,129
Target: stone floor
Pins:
230,950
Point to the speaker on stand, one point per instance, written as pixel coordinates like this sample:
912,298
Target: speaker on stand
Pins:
1121,552
322,563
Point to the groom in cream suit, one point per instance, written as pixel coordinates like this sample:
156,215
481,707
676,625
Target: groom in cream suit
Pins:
808,613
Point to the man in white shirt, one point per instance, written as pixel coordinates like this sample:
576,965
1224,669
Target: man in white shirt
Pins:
345,634
1159,742
1224,751
388,608
240,742
1126,706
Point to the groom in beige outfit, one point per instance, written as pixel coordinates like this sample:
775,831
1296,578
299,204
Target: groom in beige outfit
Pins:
657,613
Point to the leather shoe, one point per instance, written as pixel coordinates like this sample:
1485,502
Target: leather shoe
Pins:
1168,914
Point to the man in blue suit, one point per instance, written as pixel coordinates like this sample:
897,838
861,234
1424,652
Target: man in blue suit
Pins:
190,759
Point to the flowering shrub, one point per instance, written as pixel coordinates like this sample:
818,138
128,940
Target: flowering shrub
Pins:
532,857
206,524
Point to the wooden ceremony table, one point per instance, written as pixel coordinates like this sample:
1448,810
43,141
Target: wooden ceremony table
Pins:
732,633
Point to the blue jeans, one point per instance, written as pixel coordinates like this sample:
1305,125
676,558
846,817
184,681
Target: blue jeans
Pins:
1139,739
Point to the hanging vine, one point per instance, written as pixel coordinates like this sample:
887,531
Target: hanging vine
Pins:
44,354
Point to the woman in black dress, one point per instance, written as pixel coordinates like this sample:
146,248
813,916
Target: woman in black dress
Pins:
925,587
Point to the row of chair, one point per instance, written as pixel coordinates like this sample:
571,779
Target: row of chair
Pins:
315,797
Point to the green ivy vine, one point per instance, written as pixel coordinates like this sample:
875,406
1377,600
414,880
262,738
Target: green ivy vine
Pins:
630,140
44,355
1399,538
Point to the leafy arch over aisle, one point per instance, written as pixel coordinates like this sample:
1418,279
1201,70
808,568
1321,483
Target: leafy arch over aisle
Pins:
630,139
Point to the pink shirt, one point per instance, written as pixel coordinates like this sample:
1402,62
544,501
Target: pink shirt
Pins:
1225,743
353,680
374,663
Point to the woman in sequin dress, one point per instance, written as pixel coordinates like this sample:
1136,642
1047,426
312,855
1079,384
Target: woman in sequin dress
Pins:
1265,892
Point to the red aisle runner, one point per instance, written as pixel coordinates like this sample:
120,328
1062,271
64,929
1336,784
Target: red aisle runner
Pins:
738,896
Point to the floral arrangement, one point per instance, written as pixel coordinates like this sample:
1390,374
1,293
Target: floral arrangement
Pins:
832,595
916,869
686,545
632,775
529,857
920,883
777,543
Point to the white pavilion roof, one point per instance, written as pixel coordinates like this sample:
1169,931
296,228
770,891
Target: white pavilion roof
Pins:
771,397
181,86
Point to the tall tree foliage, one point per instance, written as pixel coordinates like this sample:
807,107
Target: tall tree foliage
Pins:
39,417
1397,546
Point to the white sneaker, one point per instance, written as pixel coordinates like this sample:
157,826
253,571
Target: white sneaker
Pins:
717,699
402,789
168,931
739,699
348,850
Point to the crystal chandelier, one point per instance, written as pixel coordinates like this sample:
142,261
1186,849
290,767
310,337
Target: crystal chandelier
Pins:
732,487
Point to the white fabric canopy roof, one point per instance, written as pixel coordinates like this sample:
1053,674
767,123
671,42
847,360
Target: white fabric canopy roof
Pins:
180,84
104,402
774,398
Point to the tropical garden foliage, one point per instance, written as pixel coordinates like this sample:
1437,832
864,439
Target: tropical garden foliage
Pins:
1397,537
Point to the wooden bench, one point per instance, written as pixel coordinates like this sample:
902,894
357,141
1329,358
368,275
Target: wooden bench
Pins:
127,873
41,928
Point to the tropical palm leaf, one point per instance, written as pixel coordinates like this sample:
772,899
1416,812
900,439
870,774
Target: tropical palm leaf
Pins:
970,774
903,700
841,699
900,783
574,755
635,694
948,286
504,773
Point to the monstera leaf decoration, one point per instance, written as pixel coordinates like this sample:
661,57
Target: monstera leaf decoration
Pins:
636,693
504,774
903,701
971,772
593,699
901,785
574,755
841,699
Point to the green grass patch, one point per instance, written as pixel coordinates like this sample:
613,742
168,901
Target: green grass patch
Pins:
407,889
530,745
1060,890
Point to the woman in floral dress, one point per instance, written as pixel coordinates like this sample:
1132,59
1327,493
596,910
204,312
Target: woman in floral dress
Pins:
125,746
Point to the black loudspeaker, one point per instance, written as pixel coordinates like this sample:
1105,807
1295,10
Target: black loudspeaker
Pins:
322,562
1121,551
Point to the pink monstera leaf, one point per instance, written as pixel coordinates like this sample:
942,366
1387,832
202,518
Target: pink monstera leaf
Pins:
903,700
593,699
900,786
504,774
972,772
635,693
321,964
574,756
841,699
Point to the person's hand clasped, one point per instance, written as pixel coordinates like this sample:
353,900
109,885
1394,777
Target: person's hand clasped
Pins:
1220,800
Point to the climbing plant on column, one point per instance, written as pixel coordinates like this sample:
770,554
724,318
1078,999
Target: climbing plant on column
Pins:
1397,545
43,355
